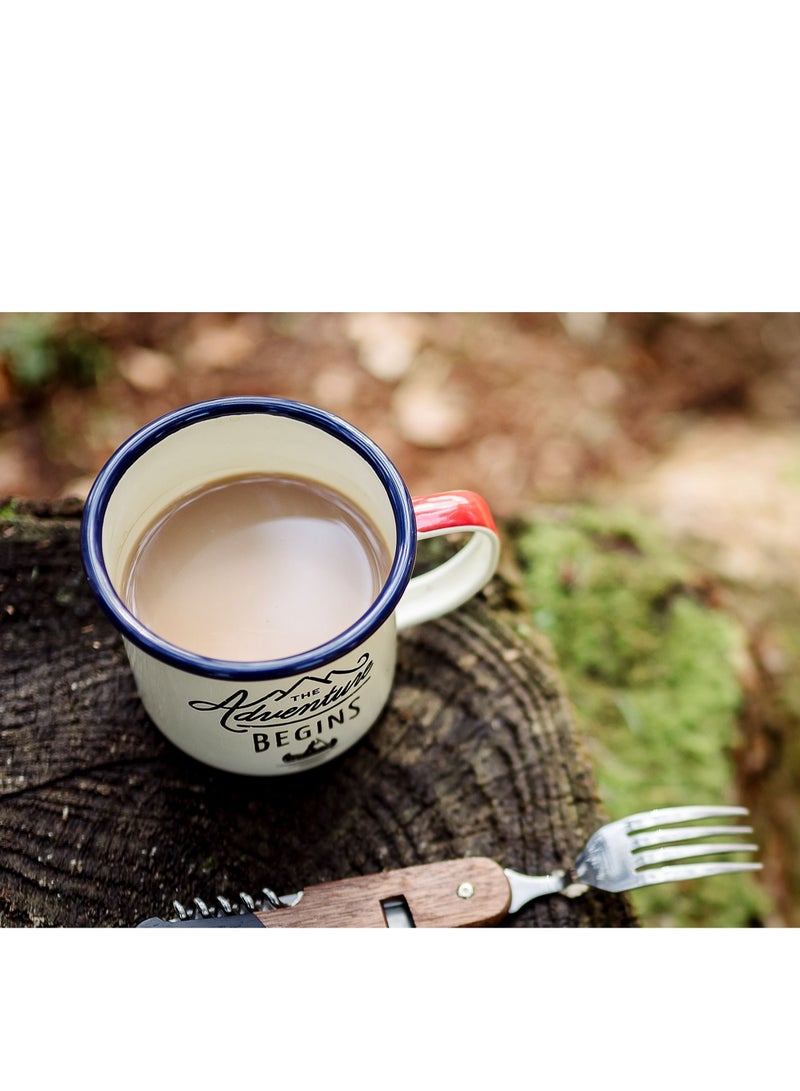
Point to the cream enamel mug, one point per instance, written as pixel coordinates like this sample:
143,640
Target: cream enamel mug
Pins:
283,715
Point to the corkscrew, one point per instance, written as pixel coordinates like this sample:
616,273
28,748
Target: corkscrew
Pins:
221,908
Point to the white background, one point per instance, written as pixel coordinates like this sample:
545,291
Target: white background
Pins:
368,156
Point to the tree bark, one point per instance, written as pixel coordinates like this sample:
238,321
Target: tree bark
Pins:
104,823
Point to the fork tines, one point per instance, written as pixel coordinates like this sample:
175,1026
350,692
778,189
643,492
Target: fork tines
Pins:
654,842
647,819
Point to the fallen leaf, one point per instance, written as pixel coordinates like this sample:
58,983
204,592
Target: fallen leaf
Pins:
220,346
387,343
146,370
429,410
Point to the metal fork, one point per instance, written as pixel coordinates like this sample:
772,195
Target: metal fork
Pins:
637,851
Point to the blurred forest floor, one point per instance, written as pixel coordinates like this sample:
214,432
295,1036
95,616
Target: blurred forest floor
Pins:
525,408
690,418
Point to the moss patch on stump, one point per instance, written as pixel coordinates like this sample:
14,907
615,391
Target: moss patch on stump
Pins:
653,669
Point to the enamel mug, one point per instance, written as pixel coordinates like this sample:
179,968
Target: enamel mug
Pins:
282,715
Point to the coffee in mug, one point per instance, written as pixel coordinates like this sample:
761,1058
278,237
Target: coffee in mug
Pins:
256,567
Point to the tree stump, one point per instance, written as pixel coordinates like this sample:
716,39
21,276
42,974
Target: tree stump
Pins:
104,823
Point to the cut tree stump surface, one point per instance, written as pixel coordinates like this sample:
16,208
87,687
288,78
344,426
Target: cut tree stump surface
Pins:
104,823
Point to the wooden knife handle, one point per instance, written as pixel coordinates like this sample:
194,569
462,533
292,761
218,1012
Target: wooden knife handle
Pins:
454,894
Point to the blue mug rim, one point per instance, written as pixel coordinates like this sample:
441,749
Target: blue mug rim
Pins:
232,670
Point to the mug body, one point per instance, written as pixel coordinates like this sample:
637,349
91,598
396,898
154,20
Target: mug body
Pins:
280,715
270,726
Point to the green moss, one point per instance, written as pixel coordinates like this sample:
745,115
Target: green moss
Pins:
9,512
651,669
42,349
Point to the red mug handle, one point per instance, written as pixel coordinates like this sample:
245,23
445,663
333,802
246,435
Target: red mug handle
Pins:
457,579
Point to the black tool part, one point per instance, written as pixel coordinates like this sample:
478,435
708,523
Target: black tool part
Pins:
237,920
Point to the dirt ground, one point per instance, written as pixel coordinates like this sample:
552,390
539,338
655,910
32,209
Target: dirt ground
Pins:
691,417
523,407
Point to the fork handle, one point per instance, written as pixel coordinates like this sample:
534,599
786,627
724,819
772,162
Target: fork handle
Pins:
456,893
